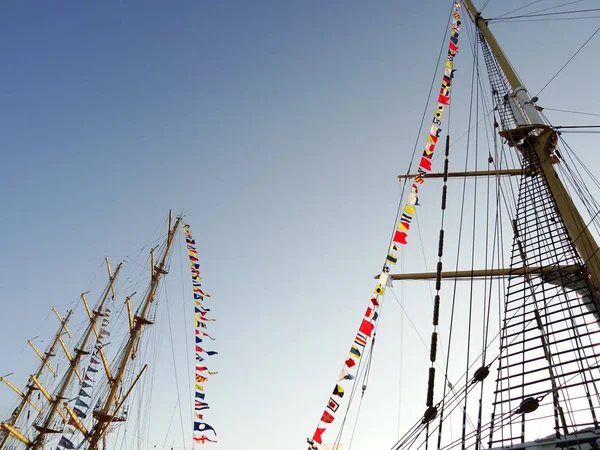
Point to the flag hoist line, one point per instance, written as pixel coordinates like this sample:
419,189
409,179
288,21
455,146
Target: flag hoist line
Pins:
200,335
401,229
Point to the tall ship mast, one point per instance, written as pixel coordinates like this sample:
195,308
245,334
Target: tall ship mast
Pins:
109,411
525,327
90,397
46,426
8,427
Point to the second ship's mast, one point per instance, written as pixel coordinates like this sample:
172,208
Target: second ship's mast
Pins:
8,427
109,411
46,427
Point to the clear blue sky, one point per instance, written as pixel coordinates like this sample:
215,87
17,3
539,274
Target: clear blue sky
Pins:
278,128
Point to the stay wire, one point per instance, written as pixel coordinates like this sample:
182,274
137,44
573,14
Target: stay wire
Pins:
366,374
474,233
564,127
175,368
405,313
520,8
485,4
572,112
359,374
475,75
525,19
556,7
526,16
570,59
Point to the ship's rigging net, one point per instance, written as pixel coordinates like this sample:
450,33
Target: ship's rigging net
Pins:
550,328
550,334
499,85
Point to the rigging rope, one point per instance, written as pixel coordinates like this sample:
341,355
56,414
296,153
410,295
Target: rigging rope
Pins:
572,112
366,374
520,8
181,421
577,11
542,10
570,59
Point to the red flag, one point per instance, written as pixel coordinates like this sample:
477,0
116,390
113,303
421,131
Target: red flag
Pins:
350,363
317,435
366,327
326,417
425,163
374,301
400,237
444,100
202,333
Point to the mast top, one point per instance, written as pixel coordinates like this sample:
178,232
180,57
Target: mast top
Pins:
481,24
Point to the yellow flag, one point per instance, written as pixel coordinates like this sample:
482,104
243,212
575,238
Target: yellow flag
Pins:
379,290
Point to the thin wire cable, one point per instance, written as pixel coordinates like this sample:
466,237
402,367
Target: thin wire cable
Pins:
520,8
486,3
563,19
572,112
578,11
556,7
175,367
570,59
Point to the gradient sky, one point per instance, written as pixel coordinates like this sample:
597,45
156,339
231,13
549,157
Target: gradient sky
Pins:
278,128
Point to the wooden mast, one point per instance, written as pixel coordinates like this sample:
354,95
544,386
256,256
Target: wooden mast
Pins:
80,351
532,135
108,413
8,425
